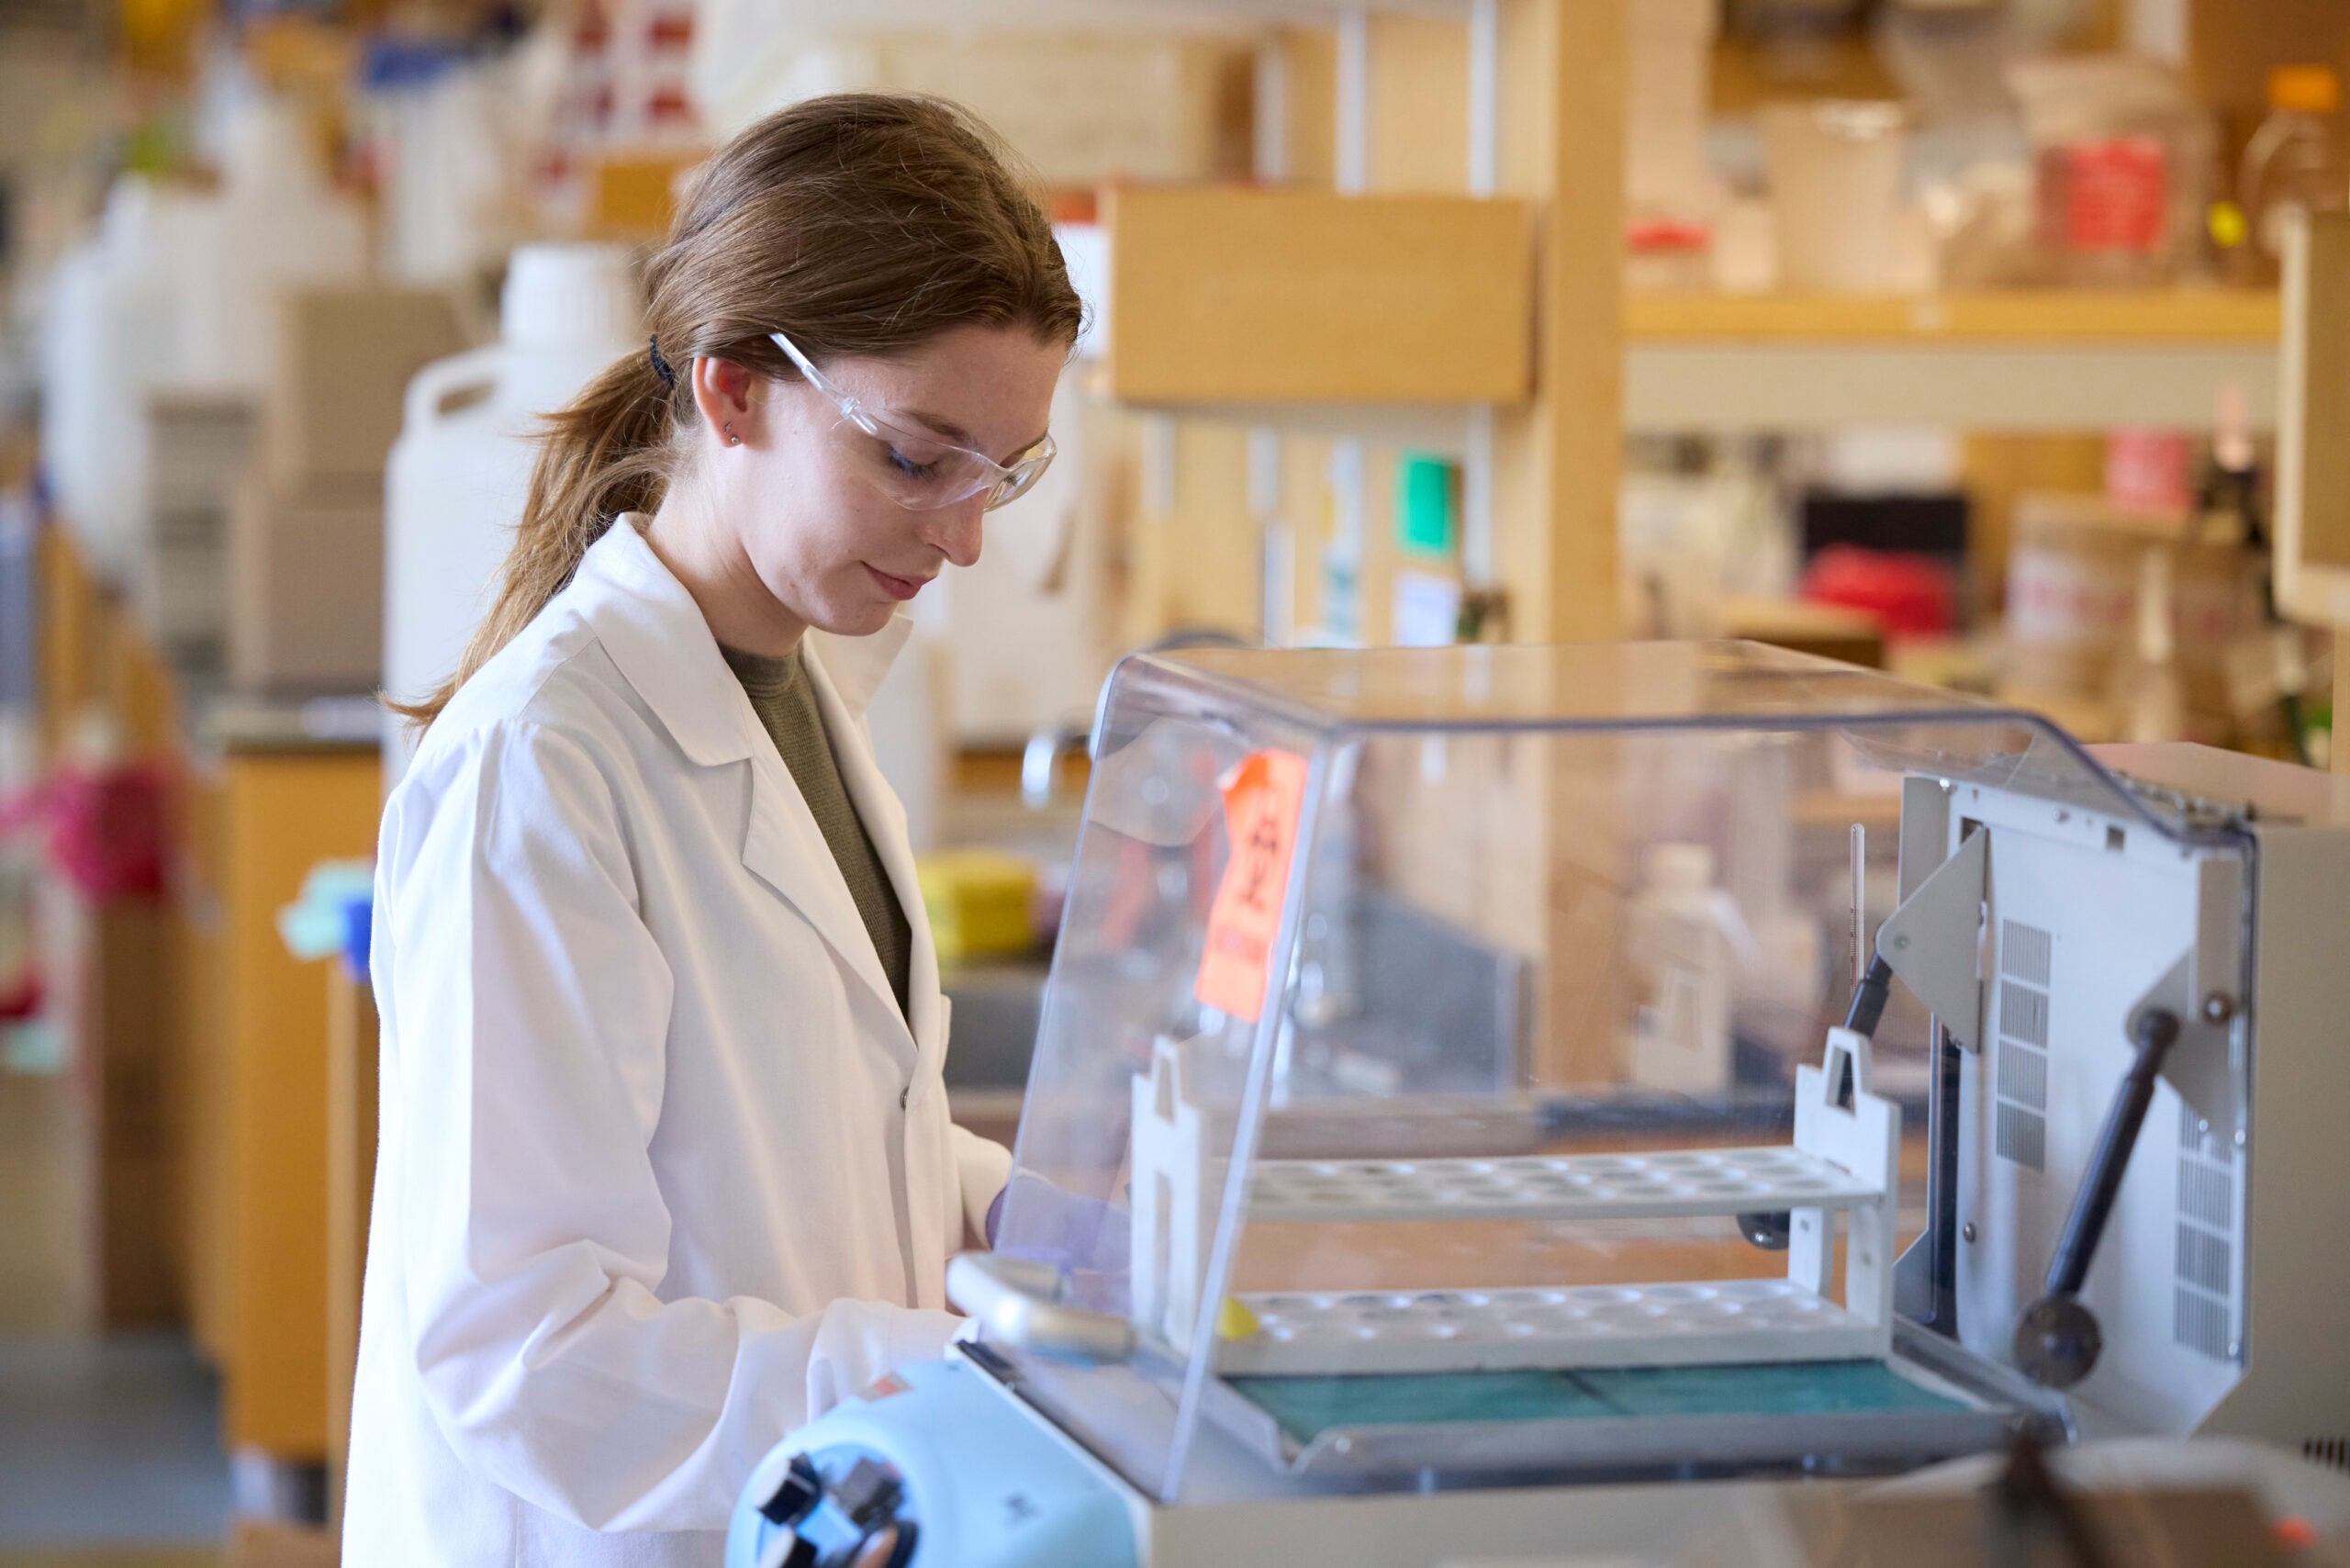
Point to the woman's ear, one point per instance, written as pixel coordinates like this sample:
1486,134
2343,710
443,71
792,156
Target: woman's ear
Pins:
725,392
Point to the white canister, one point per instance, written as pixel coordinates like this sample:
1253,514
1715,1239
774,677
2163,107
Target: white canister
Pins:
459,472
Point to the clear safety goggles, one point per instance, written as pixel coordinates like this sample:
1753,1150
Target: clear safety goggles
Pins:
920,471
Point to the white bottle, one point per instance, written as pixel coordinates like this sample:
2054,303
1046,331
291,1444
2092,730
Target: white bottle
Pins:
114,329
457,476
1685,939
279,224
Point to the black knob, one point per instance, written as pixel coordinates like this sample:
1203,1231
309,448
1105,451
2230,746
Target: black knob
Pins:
2057,1341
867,1494
1769,1229
801,1489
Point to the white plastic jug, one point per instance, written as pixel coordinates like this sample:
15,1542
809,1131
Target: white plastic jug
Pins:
177,291
279,224
459,472
113,331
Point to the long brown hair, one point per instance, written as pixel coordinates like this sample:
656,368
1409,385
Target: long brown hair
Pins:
859,223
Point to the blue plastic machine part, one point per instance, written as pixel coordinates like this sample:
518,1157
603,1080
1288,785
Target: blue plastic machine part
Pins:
939,1459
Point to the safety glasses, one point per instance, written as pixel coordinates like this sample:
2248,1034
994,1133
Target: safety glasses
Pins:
920,471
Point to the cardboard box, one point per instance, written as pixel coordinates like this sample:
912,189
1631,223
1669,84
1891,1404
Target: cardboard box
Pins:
345,357
306,587
2073,569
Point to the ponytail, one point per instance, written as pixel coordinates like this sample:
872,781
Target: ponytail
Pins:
861,223
604,453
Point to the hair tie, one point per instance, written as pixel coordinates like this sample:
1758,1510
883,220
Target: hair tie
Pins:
660,366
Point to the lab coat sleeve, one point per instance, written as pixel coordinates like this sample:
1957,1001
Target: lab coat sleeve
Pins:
984,1168
532,1005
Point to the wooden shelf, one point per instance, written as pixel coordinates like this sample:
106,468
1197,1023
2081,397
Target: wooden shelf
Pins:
2034,317
2076,361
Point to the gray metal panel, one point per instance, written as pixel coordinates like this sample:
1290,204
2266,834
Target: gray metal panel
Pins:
1925,831
2295,1387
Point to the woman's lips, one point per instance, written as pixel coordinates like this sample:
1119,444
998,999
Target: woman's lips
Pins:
899,588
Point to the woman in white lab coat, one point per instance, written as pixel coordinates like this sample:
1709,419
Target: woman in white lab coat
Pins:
665,1164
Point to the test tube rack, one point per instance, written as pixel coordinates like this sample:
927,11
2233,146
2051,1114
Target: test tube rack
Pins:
1842,1160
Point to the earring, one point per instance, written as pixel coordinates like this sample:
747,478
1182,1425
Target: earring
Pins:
732,439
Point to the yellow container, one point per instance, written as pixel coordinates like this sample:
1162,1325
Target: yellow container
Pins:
978,901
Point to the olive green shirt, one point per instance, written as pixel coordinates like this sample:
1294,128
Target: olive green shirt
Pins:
785,700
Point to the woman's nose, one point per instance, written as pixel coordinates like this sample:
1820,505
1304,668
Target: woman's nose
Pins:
957,533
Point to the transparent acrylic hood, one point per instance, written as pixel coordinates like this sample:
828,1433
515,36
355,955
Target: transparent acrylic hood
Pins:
1517,910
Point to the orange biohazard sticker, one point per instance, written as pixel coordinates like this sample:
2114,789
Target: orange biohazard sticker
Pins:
1263,796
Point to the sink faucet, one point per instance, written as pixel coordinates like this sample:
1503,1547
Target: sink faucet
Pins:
1040,759
1040,762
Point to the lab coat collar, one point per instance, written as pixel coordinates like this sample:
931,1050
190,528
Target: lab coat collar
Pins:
655,632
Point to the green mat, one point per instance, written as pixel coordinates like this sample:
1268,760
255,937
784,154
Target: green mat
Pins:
1307,1406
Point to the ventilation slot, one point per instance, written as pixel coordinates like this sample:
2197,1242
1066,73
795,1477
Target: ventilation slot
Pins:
2023,1137
2203,1260
2204,1195
2023,953
2332,1453
2207,1229
2203,1145
2019,1129
2023,1015
2200,1323
2023,1076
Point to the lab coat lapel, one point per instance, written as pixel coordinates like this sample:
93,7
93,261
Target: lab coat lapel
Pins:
785,848
842,697
655,632
885,821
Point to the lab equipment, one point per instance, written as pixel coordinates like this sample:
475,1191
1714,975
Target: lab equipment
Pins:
2040,1170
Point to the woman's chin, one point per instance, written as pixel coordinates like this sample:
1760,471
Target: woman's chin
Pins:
856,620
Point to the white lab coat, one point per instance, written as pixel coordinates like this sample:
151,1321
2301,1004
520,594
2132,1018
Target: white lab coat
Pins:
663,1172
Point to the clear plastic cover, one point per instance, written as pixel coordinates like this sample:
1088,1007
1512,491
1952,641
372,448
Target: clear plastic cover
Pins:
1542,948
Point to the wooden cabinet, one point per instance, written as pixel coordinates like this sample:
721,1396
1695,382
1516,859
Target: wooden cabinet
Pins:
280,811
1236,295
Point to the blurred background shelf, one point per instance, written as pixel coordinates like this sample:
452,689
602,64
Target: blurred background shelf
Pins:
2026,361
2037,317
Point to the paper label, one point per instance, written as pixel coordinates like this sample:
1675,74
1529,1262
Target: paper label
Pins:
1262,796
